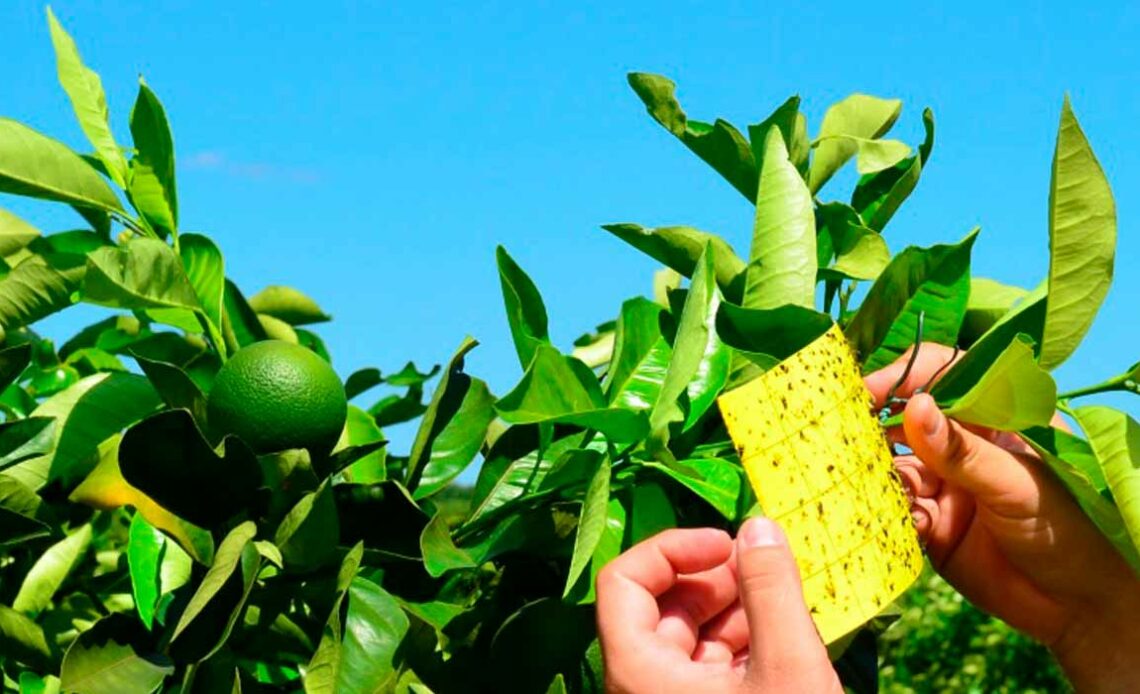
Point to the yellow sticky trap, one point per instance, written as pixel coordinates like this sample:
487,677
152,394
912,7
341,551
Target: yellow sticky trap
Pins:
821,468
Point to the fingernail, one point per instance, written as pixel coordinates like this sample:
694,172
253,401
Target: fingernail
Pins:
760,532
919,517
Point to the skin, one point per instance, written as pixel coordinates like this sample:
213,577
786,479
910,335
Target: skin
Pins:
692,610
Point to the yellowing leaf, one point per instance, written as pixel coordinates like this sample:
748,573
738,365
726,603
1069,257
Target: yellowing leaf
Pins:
106,489
821,468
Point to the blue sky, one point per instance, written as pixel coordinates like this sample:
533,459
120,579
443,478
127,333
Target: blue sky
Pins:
373,154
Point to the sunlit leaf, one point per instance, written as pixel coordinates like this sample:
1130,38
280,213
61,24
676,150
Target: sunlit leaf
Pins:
1014,394
152,184
34,165
289,305
858,116
1082,242
526,313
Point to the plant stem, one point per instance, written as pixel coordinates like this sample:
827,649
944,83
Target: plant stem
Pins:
1112,384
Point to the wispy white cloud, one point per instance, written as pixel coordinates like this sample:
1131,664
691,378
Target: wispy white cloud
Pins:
214,160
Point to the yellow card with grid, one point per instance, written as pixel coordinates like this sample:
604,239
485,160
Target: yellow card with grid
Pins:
821,468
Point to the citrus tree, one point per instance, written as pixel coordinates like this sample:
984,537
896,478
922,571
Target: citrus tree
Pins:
188,504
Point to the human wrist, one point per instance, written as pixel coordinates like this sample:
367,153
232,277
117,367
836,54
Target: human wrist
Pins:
1099,647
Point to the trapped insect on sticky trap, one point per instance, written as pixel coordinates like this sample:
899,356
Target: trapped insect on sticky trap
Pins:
822,469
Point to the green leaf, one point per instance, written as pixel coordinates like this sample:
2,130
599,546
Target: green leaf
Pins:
166,457
782,265
1027,317
872,156
175,388
878,196
715,480
22,640
146,274
289,305
1115,438
113,657
439,551
86,414
591,521
778,333
989,302
24,439
1103,512
361,381
1082,242
934,281
452,429
39,287
858,117
145,546
307,535
51,570
36,166
641,356
360,430
239,323
374,628
526,312
516,463
460,439
652,511
860,252
152,184
85,90
412,376
227,560
698,356
550,391
720,145
1014,394
680,248
205,269
15,235
13,361
23,515
1073,449
31,683
792,126
526,637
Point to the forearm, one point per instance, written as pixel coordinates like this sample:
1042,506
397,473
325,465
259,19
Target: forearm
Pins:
1100,651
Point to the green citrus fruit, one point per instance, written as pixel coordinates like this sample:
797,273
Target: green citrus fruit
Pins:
276,395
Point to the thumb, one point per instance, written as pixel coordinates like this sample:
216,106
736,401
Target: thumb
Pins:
784,647
992,474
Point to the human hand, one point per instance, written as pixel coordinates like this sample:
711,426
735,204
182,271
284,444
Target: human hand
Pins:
690,610
1000,528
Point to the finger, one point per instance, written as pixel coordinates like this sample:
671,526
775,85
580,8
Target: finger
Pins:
783,642
729,629
926,514
628,587
920,479
932,358
994,475
695,600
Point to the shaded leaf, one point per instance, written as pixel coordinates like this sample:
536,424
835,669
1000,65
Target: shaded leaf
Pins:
23,515
23,640
227,560
778,332
23,439
175,388
239,322
106,489
989,302
15,235
304,535
38,287
166,457
361,381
